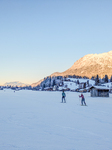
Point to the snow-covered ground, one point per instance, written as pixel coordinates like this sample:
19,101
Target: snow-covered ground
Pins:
31,120
92,82
72,85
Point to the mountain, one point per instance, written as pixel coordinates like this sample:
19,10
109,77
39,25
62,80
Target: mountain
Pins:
37,83
16,83
91,65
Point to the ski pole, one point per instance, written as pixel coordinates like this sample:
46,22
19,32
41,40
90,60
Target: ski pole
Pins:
79,100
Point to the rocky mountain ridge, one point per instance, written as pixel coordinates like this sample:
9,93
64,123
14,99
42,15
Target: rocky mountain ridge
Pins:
91,65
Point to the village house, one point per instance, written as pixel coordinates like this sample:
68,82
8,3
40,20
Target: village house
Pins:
99,91
83,90
82,85
48,89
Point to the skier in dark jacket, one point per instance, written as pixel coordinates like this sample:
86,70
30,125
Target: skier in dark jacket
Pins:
63,96
83,99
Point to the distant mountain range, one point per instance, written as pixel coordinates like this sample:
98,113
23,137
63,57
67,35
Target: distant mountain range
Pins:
16,83
91,65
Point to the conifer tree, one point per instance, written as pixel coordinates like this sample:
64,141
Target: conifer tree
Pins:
97,80
54,83
87,82
106,78
111,79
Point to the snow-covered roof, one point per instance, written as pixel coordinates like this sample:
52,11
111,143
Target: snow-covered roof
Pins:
62,88
47,88
70,85
82,90
100,87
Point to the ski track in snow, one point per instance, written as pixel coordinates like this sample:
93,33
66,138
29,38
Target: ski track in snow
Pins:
38,121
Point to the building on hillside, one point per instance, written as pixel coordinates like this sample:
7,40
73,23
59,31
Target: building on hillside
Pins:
63,89
55,87
82,85
99,91
48,89
83,90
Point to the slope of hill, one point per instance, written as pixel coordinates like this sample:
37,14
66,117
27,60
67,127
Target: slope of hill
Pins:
37,83
91,65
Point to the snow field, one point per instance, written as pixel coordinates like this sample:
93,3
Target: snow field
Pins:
31,120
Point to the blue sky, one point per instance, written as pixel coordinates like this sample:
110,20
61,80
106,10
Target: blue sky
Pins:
38,38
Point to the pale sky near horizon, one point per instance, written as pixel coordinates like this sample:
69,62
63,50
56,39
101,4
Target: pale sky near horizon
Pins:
38,38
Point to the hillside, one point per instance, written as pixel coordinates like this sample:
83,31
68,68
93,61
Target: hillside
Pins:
37,83
91,65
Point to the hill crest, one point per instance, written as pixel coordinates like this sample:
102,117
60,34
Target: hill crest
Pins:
91,65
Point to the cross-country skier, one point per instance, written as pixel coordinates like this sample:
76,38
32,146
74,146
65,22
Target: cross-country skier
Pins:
63,96
83,99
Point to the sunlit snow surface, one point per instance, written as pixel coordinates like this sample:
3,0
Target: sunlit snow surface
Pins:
31,120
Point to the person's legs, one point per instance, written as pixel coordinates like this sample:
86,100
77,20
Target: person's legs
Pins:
62,99
82,101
